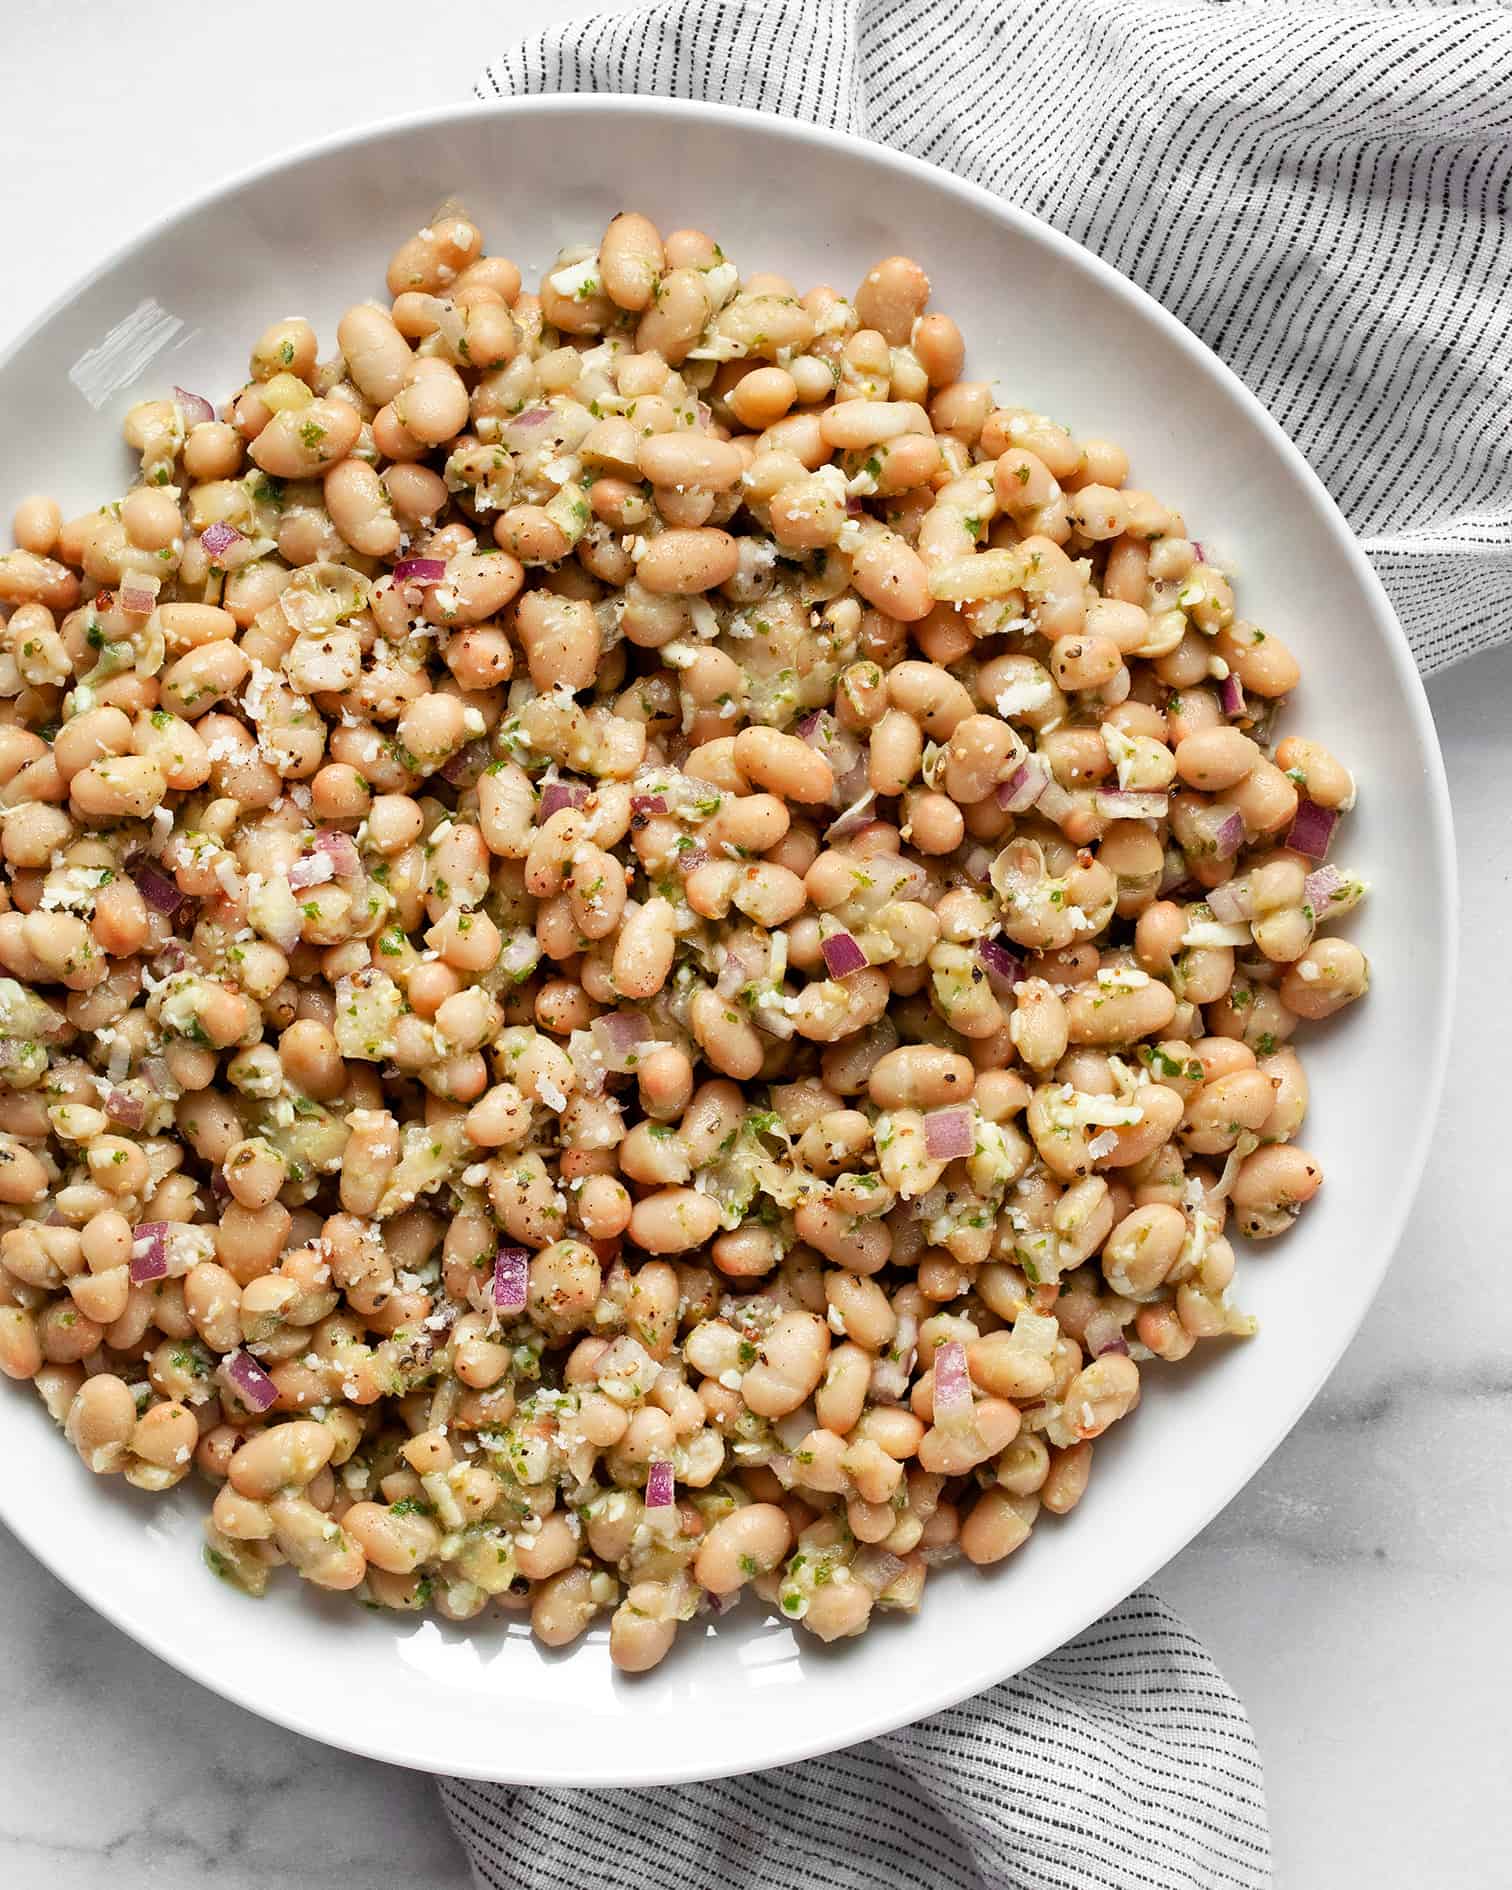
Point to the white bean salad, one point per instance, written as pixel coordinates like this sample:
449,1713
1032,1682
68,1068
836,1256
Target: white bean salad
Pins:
649,947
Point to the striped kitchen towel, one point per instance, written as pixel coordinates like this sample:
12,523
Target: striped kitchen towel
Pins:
1121,1762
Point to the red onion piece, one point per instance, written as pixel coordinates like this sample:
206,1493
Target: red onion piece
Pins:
157,1075
691,859
341,850
160,892
1173,873
555,795
149,1252
618,1035
121,1106
1003,968
511,1278
647,804
218,538
531,417
1196,544
853,507
253,1385
660,1484
138,597
877,1568
817,728
842,955
1104,1334
464,767
194,407
855,817
1131,804
1312,829
952,1387
740,963
1318,889
1231,695
220,1188
311,869
1024,786
1230,903
1223,829
948,1134
420,572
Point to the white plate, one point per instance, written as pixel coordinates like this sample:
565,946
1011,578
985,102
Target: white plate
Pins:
1065,334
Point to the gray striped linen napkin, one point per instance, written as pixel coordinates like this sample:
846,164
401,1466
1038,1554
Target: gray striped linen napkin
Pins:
1319,189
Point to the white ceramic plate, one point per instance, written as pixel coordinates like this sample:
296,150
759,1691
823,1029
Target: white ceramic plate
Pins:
1062,333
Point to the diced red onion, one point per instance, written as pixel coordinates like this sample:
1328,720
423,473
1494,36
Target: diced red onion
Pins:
1131,804
420,572
1003,968
218,538
311,869
156,1073
739,964
555,795
138,596
253,1385
149,1252
691,859
855,817
660,1484
720,1605
341,850
194,407
817,728
1231,695
1104,1334
1173,872
220,1188
464,767
1223,827
952,1387
1319,888
876,1568
1231,903
850,782
948,1134
647,804
1196,544
853,507
511,1278
1312,829
842,955
121,1106
1024,786
531,417
160,892
618,1035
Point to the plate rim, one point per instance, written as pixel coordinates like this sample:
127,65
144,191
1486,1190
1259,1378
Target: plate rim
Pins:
944,1693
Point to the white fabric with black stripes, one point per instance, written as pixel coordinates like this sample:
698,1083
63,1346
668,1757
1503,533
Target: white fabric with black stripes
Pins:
1318,188
1121,1762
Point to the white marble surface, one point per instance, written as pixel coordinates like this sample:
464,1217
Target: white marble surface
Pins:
1355,1593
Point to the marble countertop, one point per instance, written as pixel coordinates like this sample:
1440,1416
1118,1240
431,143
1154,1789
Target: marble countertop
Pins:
1354,1593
